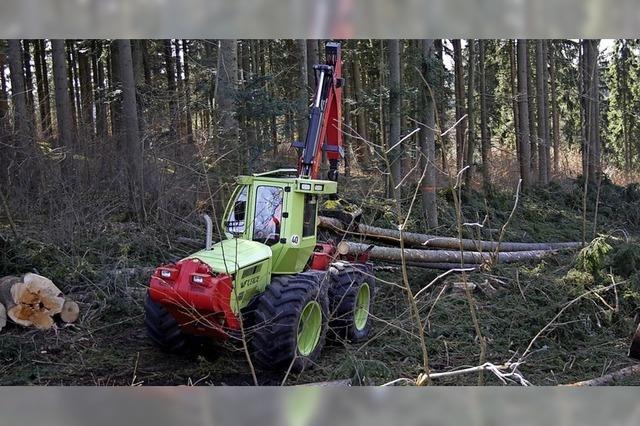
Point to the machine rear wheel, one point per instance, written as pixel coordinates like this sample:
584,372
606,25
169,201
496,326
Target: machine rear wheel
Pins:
163,329
290,322
351,295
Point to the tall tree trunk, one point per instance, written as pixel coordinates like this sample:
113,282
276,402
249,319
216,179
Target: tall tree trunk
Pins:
596,146
187,93
313,58
514,95
427,145
459,101
228,135
545,102
303,93
364,150
395,155
74,92
86,91
131,148
533,136
471,133
42,84
171,88
28,79
555,115
22,125
523,115
484,126
441,103
99,88
115,86
542,131
63,101
180,126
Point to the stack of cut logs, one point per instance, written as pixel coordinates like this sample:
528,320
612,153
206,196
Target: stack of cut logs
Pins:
436,252
33,301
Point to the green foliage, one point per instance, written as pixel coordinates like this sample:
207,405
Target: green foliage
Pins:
592,258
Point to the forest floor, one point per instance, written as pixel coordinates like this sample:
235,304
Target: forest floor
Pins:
103,269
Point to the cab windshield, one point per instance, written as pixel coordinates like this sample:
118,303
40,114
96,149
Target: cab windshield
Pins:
268,214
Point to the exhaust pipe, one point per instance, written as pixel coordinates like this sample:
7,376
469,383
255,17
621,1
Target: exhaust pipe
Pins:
209,241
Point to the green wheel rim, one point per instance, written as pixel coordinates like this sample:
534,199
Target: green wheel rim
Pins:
361,314
309,328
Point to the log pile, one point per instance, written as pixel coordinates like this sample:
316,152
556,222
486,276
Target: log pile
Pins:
437,252
413,239
34,301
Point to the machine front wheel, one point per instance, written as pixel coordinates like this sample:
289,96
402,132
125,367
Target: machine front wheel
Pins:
290,322
163,329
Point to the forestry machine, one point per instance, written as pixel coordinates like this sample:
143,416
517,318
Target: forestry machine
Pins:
269,281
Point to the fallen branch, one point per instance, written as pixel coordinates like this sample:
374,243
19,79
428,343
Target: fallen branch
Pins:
507,372
610,378
433,241
437,256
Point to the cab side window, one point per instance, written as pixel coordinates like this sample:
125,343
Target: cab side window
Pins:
236,221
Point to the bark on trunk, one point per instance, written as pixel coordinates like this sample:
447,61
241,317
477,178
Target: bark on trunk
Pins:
21,122
459,96
395,155
555,116
63,101
130,144
484,126
471,133
428,146
303,93
523,116
42,84
434,241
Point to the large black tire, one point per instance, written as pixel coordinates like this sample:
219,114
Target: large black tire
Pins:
163,329
347,282
274,323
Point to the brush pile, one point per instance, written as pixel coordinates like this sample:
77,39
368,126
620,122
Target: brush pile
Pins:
34,301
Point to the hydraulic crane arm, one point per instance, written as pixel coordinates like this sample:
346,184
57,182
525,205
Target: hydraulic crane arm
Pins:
325,118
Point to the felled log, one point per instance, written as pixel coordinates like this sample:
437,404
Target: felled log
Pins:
441,266
610,378
432,241
437,256
3,316
32,300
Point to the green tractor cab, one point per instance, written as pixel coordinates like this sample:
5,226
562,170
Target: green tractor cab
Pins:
268,280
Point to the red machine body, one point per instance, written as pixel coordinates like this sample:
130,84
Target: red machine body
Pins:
202,307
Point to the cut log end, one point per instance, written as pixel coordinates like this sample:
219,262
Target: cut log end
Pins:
70,311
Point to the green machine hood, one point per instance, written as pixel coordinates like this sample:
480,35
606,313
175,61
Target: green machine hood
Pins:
228,256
